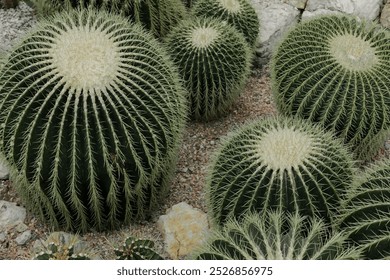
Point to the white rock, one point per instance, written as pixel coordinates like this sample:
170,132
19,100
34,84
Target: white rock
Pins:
4,173
11,214
385,16
275,18
368,9
23,238
3,237
184,229
300,4
307,14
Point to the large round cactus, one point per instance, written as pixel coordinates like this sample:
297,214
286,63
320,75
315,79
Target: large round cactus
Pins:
158,16
92,112
239,13
335,70
279,163
214,61
267,238
367,212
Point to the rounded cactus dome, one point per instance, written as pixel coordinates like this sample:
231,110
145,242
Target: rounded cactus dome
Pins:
366,216
92,112
214,62
277,236
279,163
334,70
238,13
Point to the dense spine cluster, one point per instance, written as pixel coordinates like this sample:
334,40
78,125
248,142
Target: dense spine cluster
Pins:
334,70
91,113
366,217
268,238
214,61
238,13
279,163
137,249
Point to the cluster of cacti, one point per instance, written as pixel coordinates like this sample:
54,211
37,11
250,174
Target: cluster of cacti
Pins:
366,217
59,248
275,163
238,13
91,113
158,16
334,70
214,61
276,236
137,249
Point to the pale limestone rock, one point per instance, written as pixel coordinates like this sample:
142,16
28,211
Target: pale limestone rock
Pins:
23,238
10,215
4,173
362,8
184,229
300,4
385,16
307,14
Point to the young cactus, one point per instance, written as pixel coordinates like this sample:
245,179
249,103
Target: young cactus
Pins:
367,212
60,248
137,249
158,16
279,163
214,61
238,13
92,112
268,238
334,70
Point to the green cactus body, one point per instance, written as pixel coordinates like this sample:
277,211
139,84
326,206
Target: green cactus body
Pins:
214,61
279,163
137,249
367,212
92,112
238,13
158,16
264,238
334,70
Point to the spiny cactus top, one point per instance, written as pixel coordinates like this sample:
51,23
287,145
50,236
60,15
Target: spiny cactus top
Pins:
277,236
214,61
92,112
335,70
367,212
158,16
239,13
279,163
137,249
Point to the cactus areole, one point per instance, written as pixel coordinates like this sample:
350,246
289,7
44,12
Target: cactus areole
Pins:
91,112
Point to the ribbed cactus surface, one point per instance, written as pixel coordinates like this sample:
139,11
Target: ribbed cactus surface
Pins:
367,212
158,16
275,163
277,236
92,112
334,70
137,249
214,61
238,13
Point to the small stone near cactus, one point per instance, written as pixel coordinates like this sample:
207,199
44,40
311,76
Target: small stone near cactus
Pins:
238,13
366,216
334,70
277,163
277,236
137,249
214,61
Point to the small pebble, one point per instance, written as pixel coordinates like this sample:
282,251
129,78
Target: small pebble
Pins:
23,238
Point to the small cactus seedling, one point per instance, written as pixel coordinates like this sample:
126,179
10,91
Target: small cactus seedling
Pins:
334,70
214,61
158,16
59,248
92,112
279,163
266,238
367,212
238,13
137,249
